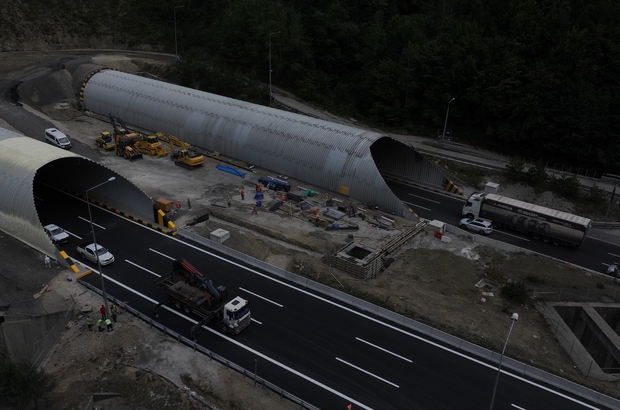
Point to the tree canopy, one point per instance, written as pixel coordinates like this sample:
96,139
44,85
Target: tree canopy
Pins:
533,78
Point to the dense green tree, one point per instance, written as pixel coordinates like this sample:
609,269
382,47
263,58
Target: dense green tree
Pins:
534,78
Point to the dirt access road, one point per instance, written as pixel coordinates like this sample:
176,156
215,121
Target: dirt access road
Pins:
429,280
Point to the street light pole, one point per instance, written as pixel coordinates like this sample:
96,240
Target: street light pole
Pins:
443,138
270,94
176,53
514,318
92,228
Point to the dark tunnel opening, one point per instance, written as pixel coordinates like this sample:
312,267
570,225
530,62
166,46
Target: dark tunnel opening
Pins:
401,162
58,181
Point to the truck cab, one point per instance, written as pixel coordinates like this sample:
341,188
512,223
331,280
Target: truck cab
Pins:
236,316
471,209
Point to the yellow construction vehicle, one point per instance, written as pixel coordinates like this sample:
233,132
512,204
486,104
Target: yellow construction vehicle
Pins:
185,156
105,141
150,145
125,146
124,140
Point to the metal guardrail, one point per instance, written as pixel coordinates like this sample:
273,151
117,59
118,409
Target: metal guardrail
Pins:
517,367
201,349
606,225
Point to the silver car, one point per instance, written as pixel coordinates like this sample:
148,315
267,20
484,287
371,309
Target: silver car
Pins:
612,270
481,226
56,233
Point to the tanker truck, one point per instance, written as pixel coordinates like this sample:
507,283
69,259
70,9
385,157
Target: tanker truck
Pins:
192,293
541,223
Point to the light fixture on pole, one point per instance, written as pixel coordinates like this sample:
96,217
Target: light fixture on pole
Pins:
514,318
92,228
176,53
270,94
443,137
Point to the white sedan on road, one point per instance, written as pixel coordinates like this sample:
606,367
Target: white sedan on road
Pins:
481,226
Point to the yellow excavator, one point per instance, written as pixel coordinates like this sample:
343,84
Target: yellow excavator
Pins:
151,145
185,156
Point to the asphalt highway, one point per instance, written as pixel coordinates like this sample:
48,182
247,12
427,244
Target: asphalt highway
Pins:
318,349
594,254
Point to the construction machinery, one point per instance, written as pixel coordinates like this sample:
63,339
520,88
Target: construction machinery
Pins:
106,141
192,293
150,145
125,147
124,140
184,156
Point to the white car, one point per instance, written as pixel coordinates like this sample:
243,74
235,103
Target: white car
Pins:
481,226
612,270
87,251
56,233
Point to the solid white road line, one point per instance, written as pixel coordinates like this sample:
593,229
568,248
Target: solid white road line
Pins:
368,373
239,344
514,236
72,234
380,322
144,269
162,254
417,206
591,238
426,199
254,320
517,407
259,296
87,220
385,350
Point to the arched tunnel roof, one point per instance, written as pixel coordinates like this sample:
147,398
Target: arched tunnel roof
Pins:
332,156
26,163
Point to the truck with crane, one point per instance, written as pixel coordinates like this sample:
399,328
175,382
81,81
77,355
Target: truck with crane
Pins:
541,223
191,292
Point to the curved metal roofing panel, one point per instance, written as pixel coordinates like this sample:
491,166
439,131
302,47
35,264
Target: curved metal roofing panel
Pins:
20,157
24,160
327,155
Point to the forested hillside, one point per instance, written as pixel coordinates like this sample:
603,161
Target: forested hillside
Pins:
537,78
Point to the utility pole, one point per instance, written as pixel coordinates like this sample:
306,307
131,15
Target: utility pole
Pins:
443,138
611,201
176,52
270,93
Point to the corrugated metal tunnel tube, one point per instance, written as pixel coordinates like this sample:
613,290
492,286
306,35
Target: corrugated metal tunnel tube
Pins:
28,168
331,156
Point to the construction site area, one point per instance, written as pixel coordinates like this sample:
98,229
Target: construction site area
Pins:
398,263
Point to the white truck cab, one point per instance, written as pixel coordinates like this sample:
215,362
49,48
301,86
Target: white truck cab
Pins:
236,315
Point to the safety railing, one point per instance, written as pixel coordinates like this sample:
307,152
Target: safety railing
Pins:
201,349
